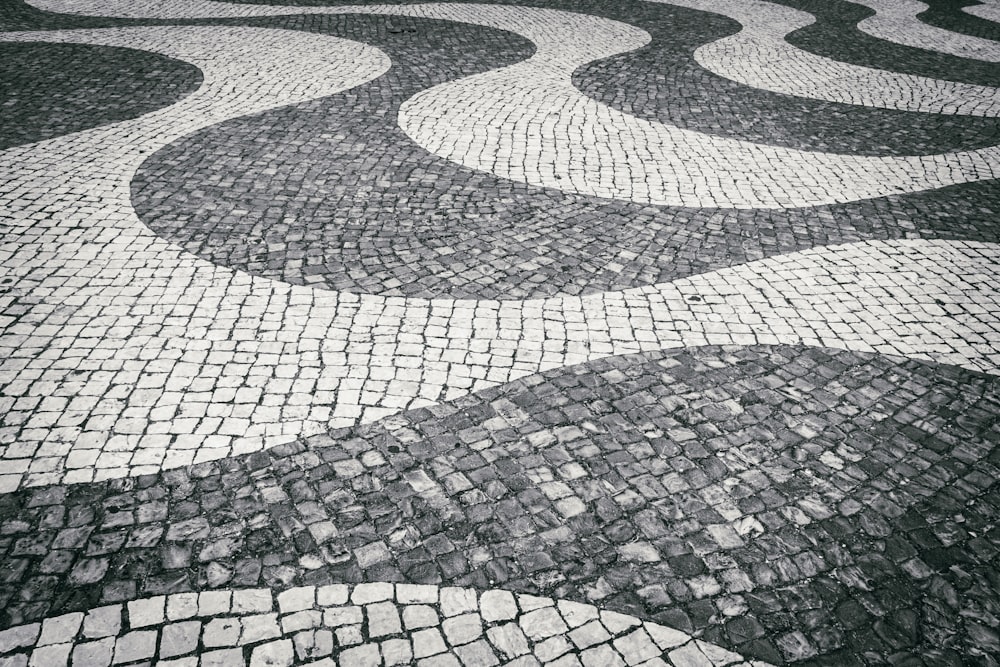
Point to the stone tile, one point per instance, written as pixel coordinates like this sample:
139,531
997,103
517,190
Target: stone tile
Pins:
179,638
682,355
136,645
273,654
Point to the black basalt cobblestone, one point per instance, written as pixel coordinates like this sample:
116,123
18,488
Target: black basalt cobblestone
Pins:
663,82
835,35
18,15
798,505
331,194
49,90
948,14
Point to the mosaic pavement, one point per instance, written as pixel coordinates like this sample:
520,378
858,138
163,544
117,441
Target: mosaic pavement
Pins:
654,332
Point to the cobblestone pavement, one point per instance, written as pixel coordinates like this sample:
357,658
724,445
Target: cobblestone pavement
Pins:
655,332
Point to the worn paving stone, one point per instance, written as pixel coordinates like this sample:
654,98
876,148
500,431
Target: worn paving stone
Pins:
54,89
781,503
535,241
792,503
441,644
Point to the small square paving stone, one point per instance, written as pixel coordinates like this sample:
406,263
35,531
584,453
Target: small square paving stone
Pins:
213,603
181,606
509,639
301,620
383,619
227,657
455,601
477,654
221,632
179,638
526,661
666,638
54,655
689,655
617,623
717,654
542,623
332,594
427,642
602,656
136,645
416,594
552,648
376,592
259,627
60,629
103,622
419,616
636,647
443,660
143,613
22,635
576,614
372,554
462,629
94,654
349,635
497,606
252,601
273,654
17,660
297,599
532,602
361,656
313,643
396,652
590,634
191,661
338,616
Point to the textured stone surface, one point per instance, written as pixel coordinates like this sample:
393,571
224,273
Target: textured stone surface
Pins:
318,333
735,493
441,643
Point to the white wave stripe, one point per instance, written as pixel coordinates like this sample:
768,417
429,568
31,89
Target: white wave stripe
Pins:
528,123
759,56
988,10
136,356
266,623
896,21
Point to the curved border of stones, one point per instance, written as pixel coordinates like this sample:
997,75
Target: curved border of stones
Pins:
363,624
483,114
791,70
897,21
989,10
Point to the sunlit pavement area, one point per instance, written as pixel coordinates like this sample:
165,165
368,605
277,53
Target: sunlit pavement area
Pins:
554,332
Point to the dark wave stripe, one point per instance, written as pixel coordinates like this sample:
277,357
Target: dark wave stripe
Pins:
948,14
332,194
53,89
663,82
18,15
788,503
836,36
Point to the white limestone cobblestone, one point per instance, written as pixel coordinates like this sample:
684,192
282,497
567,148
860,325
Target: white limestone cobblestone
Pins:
526,122
759,56
896,21
989,10
123,355
534,631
